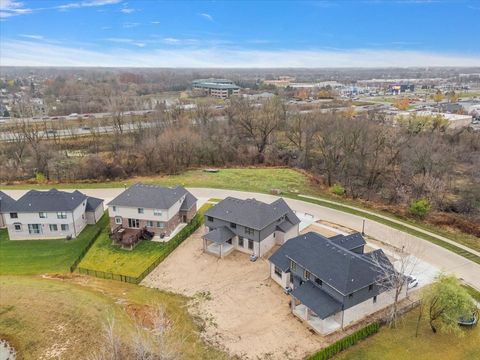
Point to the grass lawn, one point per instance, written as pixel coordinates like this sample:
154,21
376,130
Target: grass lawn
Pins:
24,257
401,343
64,318
102,256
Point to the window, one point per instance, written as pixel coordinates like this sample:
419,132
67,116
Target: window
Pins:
209,218
61,215
278,272
13,215
160,224
370,287
149,223
157,212
133,223
350,295
306,274
34,229
114,208
240,241
42,215
118,220
233,225
141,210
53,227
293,266
248,231
250,244
64,227
375,299
318,281
17,227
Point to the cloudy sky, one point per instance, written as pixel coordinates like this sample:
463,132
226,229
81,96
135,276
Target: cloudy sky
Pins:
362,33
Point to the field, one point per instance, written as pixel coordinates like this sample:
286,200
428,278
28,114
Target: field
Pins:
104,257
64,318
401,343
24,257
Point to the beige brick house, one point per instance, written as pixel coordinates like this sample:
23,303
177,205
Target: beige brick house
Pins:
160,209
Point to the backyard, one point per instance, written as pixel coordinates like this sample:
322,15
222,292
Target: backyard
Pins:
24,257
64,317
401,343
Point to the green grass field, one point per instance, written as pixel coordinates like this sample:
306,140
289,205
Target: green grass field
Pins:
400,343
103,257
64,318
24,257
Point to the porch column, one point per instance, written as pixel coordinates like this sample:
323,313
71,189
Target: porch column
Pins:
292,303
307,313
221,248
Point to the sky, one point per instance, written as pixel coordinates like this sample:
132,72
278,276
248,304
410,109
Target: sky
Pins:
267,34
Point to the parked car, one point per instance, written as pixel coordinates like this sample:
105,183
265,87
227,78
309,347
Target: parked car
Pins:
411,282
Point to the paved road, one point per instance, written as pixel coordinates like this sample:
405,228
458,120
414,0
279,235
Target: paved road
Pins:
433,254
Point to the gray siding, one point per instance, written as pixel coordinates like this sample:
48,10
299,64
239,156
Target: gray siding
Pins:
239,230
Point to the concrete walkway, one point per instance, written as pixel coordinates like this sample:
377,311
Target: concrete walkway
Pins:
435,255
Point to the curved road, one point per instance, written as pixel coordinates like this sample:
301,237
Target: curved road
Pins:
422,249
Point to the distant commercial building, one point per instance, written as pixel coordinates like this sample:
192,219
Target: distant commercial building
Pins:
401,88
220,88
455,121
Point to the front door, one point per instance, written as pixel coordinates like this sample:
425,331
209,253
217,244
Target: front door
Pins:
184,218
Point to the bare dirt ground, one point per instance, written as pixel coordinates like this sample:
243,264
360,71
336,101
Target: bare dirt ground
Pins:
243,309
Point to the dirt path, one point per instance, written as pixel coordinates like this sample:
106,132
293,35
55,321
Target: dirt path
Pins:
243,310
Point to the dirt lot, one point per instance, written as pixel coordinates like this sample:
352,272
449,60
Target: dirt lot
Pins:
243,309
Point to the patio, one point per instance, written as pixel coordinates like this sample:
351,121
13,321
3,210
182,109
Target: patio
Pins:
322,327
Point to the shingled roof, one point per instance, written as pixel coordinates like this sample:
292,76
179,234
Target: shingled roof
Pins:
51,200
349,242
7,204
153,197
252,213
342,269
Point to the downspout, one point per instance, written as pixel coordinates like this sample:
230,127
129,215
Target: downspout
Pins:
74,227
343,314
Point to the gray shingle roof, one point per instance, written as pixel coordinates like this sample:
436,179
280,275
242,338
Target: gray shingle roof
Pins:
219,235
93,203
251,213
317,300
51,200
349,242
342,269
7,204
189,201
149,196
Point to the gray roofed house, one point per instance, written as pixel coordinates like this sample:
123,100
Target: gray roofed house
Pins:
333,283
161,210
256,226
50,214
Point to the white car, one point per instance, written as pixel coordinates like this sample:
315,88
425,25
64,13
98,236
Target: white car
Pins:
411,282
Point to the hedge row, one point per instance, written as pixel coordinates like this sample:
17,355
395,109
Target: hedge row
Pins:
346,342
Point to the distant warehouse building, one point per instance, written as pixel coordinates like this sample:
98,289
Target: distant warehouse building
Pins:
220,88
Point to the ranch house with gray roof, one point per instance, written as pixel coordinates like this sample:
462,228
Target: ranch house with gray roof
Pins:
332,282
250,226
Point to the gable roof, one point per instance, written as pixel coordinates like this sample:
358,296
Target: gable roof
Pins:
317,300
150,196
51,200
219,235
342,269
93,203
189,201
349,242
251,213
6,203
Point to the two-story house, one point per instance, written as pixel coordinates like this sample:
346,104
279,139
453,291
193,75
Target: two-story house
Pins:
249,226
160,209
51,214
332,282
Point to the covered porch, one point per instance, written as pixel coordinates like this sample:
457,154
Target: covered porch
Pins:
319,310
219,241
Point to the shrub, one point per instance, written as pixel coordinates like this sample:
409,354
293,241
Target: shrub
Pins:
345,343
337,189
420,207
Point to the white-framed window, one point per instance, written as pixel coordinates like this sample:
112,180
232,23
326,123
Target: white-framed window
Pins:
160,224
150,223
13,215
240,241
17,227
157,212
114,208
278,271
34,229
61,215
250,244
118,220
306,274
53,227
249,231
64,227
42,215
141,210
